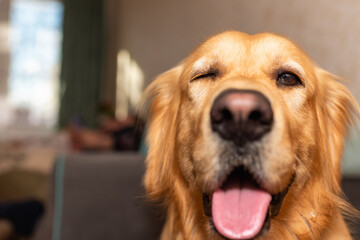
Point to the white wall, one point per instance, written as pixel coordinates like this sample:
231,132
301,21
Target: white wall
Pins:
159,33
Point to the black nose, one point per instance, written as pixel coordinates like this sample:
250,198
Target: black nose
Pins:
241,116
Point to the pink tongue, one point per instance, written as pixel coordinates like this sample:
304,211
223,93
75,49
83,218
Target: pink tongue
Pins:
239,211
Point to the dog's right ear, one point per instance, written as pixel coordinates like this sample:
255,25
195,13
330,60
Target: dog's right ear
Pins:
338,112
161,100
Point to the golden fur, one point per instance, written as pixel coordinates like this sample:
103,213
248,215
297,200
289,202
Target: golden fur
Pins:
310,125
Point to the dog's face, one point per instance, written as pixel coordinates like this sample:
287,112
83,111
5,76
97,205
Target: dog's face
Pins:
243,123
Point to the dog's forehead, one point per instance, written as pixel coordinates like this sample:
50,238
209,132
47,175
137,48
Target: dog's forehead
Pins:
248,51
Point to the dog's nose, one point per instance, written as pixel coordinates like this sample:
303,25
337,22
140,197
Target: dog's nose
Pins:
241,116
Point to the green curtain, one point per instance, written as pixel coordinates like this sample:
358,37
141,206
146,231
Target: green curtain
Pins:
81,61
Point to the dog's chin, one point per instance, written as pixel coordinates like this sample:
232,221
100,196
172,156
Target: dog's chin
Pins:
241,208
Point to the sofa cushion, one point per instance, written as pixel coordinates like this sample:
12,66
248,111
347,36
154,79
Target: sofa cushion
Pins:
100,196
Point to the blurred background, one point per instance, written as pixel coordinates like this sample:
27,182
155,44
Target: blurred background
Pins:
71,74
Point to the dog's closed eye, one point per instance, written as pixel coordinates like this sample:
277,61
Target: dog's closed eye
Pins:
210,74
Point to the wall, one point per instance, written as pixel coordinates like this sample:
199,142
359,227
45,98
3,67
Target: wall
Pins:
159,33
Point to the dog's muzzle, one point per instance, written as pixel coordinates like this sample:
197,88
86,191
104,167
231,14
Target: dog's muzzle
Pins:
241,208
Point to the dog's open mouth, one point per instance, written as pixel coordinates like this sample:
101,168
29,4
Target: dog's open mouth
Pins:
240,208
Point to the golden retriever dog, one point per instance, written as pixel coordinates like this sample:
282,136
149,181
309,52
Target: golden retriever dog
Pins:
245,142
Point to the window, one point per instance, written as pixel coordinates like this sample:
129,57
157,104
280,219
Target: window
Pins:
34,42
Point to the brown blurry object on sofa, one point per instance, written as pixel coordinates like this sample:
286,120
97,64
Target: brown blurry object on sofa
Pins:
6,229
111,135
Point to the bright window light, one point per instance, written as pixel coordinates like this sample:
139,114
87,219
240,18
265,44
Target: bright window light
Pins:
35,48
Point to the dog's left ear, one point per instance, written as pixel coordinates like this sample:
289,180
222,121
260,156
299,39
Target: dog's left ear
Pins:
162,99
338,112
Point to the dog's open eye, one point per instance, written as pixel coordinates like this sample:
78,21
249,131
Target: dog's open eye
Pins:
210,75
288,79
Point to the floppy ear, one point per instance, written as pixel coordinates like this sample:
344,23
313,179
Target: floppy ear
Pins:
163,98
339,110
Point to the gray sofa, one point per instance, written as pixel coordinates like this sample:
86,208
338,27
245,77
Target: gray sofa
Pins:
100,197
